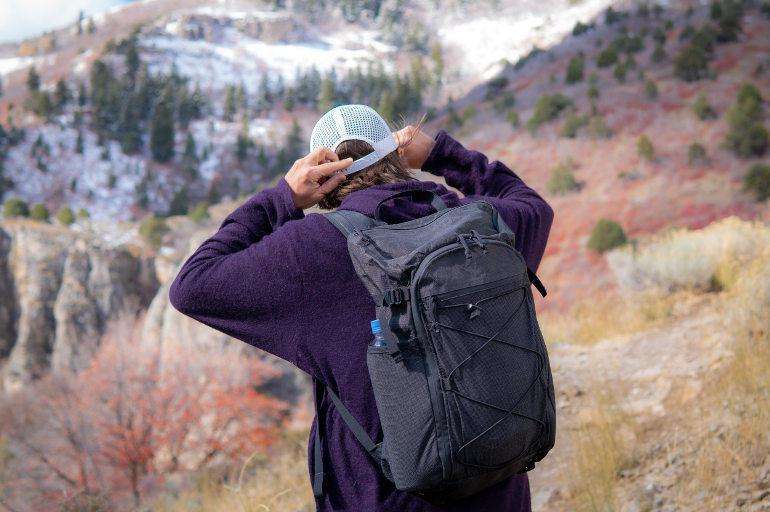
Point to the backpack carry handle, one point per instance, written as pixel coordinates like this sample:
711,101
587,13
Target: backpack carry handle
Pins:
435,200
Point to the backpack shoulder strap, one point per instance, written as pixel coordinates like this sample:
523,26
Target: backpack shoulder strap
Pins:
347,221
358,431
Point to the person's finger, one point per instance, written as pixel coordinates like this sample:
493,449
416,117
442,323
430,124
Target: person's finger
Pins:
331,167
332,183
322,155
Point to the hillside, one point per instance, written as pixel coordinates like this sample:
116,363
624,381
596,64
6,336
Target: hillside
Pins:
128,141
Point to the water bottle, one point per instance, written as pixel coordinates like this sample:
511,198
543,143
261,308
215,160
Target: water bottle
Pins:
379,339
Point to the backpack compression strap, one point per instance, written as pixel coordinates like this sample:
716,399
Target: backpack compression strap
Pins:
355,427
347,221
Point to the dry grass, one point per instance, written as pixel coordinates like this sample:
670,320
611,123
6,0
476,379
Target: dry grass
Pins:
266,482
603,443
607,317
731,448
715,450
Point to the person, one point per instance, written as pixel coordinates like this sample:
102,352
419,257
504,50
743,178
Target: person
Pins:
283,282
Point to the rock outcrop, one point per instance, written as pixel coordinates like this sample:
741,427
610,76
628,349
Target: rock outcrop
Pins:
59,290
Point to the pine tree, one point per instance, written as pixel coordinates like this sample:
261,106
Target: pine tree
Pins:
242,145
162,133
644,148
185,109
650,89
574,71
229,107
295,143
62,95
199,102
132,62
326,98
129,130
44,105
33,81
82,95
242,100
80,23
288,100
190,151
79,143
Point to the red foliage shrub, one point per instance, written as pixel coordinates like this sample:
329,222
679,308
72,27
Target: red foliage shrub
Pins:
131,418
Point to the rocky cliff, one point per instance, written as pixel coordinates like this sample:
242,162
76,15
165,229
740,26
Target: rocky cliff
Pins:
59,290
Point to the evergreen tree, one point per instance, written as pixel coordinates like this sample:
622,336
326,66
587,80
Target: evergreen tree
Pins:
190,151
33,81
562,180
62,95
80,23
65,216
696,154
574,71
129,129
39,212
327,95
198,102
180,203
295,143
82,95
230,106
644,148
186,108
91,26
437,63
730,22
106,98
702,108
242,146
264,94
242,100
288,99
650,89
132,62
607,234
162,132
79,143
44,106
691,64
620,71
746,136
658,54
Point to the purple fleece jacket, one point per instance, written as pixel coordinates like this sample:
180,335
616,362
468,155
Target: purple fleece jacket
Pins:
284,282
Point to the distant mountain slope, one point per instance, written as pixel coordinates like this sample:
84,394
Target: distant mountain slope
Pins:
613,180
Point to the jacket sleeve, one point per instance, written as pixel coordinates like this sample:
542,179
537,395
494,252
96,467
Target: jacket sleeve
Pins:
239,280
524,211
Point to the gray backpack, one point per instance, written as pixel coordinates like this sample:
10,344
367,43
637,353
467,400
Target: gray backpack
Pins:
463,388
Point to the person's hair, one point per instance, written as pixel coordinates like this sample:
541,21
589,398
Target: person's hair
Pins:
390,169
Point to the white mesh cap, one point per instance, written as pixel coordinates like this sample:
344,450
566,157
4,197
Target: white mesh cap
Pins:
354,122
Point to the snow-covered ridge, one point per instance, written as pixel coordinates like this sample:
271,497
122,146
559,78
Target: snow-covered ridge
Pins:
482,43
234,57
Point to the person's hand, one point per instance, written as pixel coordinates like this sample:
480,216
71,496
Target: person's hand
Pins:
416,151
310,178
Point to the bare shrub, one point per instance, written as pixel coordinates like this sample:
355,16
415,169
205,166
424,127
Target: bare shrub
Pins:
136,415
690,259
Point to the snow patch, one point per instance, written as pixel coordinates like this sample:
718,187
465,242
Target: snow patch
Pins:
11,64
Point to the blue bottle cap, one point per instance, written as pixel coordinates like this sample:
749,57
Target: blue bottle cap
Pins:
376,326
